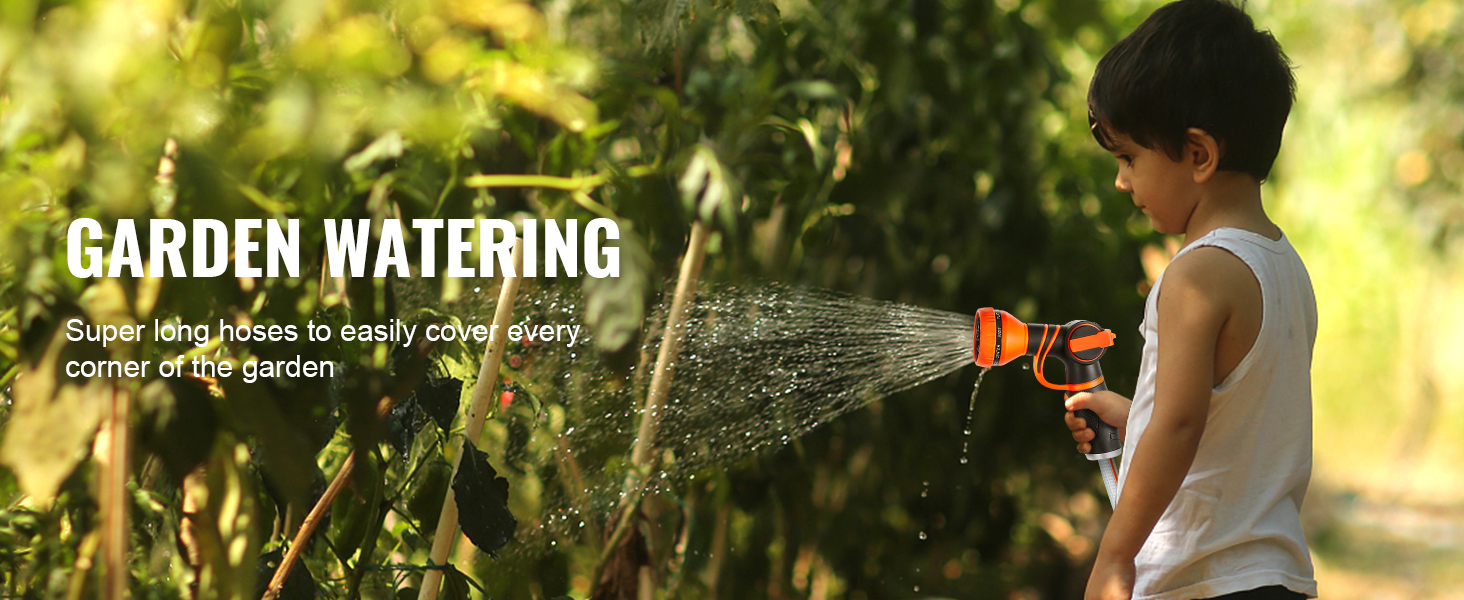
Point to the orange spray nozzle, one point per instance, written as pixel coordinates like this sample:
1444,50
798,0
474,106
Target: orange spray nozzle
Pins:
999,338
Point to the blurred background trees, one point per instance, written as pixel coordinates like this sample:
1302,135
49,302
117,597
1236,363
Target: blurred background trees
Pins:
926,152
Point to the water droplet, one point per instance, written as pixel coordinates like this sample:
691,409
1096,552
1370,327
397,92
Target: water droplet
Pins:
970,414
922,536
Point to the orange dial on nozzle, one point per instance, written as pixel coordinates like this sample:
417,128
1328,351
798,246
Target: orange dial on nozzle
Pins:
999,337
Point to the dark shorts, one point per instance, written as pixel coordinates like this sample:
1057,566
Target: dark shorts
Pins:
1272,592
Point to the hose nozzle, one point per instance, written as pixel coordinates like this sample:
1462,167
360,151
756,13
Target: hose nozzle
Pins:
999,338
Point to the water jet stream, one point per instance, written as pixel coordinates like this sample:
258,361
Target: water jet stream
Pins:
758,367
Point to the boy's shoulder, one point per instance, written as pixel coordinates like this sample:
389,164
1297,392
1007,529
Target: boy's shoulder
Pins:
1212,301
1210,276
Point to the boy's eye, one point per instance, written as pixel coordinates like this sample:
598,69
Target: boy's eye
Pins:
1127,159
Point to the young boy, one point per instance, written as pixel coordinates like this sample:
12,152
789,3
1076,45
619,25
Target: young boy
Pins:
1219,433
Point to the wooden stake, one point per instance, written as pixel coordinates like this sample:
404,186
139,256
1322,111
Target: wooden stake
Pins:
643,459
483,401
111,444
308,526
650,424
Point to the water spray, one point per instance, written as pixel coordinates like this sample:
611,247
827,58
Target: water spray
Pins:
999,338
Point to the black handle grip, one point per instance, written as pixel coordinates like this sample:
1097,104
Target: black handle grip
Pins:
1105,438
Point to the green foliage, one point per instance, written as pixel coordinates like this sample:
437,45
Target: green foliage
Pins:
924,152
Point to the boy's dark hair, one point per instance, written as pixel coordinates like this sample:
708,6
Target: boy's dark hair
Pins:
1196,63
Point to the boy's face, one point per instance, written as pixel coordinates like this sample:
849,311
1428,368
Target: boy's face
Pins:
1161,187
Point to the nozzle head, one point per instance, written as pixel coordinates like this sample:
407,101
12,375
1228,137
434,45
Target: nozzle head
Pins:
999,337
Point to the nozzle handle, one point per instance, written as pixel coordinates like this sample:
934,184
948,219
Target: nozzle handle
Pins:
1106,443
1080,365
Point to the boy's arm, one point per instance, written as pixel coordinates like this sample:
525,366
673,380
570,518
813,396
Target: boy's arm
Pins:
1194,302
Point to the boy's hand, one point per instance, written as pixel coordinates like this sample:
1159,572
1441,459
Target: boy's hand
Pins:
1110,407
1111,579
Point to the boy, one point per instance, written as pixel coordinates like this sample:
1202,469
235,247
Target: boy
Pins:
1218,456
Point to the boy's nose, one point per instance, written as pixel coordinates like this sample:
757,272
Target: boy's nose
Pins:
1122,184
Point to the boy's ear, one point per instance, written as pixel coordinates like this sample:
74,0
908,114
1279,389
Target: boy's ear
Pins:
1202,154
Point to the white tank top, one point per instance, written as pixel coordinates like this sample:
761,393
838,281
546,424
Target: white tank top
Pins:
1235,522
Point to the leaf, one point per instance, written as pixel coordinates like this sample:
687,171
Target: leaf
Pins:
425,502
402,425
220,502
50,423
759,11
426,445
389,145
438,398
615,306
661,21
355,509
218,35
706,189
482,502
435,399
178,423
813,90
537,91
457,360
454,584
284,449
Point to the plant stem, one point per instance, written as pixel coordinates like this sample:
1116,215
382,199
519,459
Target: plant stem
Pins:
353,590
483,401
571,184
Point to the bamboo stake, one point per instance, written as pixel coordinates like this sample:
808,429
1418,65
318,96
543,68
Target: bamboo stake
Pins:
642,458
447,523
308,526
113,495
650,425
